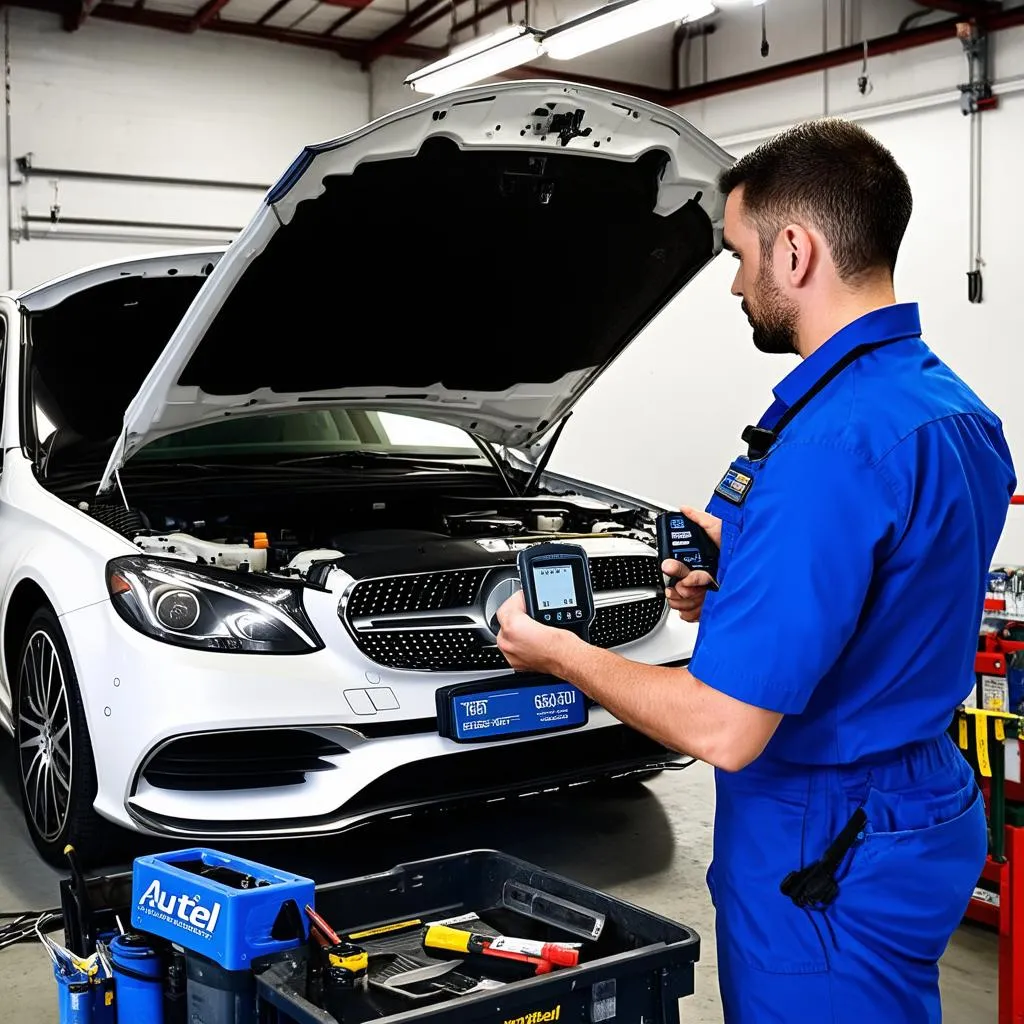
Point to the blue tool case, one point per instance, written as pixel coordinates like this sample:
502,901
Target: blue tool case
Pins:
225,908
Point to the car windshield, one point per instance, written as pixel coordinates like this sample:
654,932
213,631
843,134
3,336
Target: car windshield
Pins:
312,432
317,432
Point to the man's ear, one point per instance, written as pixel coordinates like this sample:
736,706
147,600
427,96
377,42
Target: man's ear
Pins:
798,248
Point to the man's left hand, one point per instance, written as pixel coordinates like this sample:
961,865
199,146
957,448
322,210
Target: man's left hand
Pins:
529,646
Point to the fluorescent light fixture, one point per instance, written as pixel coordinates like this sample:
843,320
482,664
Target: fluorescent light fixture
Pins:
482,58
617,21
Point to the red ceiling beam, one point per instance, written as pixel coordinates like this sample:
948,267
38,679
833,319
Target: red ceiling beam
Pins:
206,14
350,49
964,8
940,32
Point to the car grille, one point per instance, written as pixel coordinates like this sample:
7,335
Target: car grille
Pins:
432,591
248,759
623,623
431,650
622,573
405,635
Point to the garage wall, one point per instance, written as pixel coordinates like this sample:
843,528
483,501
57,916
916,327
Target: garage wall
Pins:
667,421
140,101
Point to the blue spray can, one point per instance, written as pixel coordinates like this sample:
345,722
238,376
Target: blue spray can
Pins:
74,996
138,972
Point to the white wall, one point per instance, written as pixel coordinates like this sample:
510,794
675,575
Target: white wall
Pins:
684,390
114,97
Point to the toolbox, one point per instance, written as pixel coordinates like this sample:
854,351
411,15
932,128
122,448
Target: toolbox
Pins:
634,965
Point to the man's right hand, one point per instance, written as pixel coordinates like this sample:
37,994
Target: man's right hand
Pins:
687,595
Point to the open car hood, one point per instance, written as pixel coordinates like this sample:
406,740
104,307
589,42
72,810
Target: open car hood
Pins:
477,259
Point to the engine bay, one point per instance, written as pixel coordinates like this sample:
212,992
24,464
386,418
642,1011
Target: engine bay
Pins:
291,536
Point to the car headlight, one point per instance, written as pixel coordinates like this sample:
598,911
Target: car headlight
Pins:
210,609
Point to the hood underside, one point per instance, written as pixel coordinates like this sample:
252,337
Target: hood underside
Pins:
477,259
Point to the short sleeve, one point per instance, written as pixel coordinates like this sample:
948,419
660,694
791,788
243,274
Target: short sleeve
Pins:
816,520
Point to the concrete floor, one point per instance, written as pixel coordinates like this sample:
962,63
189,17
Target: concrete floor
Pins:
650,845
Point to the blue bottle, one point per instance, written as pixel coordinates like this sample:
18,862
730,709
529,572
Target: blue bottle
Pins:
74,997
138,974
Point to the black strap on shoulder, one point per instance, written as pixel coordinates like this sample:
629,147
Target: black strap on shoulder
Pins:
759,439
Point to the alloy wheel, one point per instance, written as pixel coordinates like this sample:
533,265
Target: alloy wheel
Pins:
45,737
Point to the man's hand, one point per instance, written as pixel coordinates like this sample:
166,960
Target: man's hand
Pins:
527,644
686,596
668,704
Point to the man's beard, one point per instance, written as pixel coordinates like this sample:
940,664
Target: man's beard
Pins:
775,322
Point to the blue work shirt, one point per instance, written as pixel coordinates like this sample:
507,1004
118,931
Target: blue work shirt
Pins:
855,552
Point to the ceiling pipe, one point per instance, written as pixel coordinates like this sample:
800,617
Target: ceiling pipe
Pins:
923,36
686,30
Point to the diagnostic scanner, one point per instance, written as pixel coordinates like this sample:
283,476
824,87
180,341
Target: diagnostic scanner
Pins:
680,538
556,586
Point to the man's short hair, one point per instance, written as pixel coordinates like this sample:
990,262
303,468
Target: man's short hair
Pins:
833,176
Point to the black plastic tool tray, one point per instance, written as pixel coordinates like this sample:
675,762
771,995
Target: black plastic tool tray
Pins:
642,961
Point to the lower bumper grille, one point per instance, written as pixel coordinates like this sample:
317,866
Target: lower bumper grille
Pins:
468,777
592,753
253,759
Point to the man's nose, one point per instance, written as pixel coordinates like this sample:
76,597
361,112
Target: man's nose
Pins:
737,289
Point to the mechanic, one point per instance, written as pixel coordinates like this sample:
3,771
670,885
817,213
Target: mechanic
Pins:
855,537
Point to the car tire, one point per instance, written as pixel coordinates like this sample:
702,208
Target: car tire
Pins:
56,770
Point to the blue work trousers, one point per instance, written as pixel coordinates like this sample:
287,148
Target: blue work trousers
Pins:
872,955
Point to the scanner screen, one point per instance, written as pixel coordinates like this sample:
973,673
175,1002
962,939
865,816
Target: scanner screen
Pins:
555,586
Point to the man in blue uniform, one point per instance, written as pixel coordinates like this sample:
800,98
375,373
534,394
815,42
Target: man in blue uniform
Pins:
855,533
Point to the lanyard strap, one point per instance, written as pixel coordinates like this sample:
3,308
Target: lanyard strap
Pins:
760,438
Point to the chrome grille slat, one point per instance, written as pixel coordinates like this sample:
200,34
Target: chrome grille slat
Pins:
629,600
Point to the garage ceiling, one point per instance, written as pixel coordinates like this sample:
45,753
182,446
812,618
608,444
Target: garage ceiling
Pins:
365,30
361,30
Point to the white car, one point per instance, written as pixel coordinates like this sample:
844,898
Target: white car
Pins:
259,505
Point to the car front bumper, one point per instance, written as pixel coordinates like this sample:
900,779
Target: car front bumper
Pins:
146,702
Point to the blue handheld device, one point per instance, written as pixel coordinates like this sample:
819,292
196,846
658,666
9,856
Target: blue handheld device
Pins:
681,539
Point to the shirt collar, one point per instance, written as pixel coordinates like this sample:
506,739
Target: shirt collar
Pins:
890,323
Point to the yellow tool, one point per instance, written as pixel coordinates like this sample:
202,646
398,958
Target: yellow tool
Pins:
353,959
981,719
